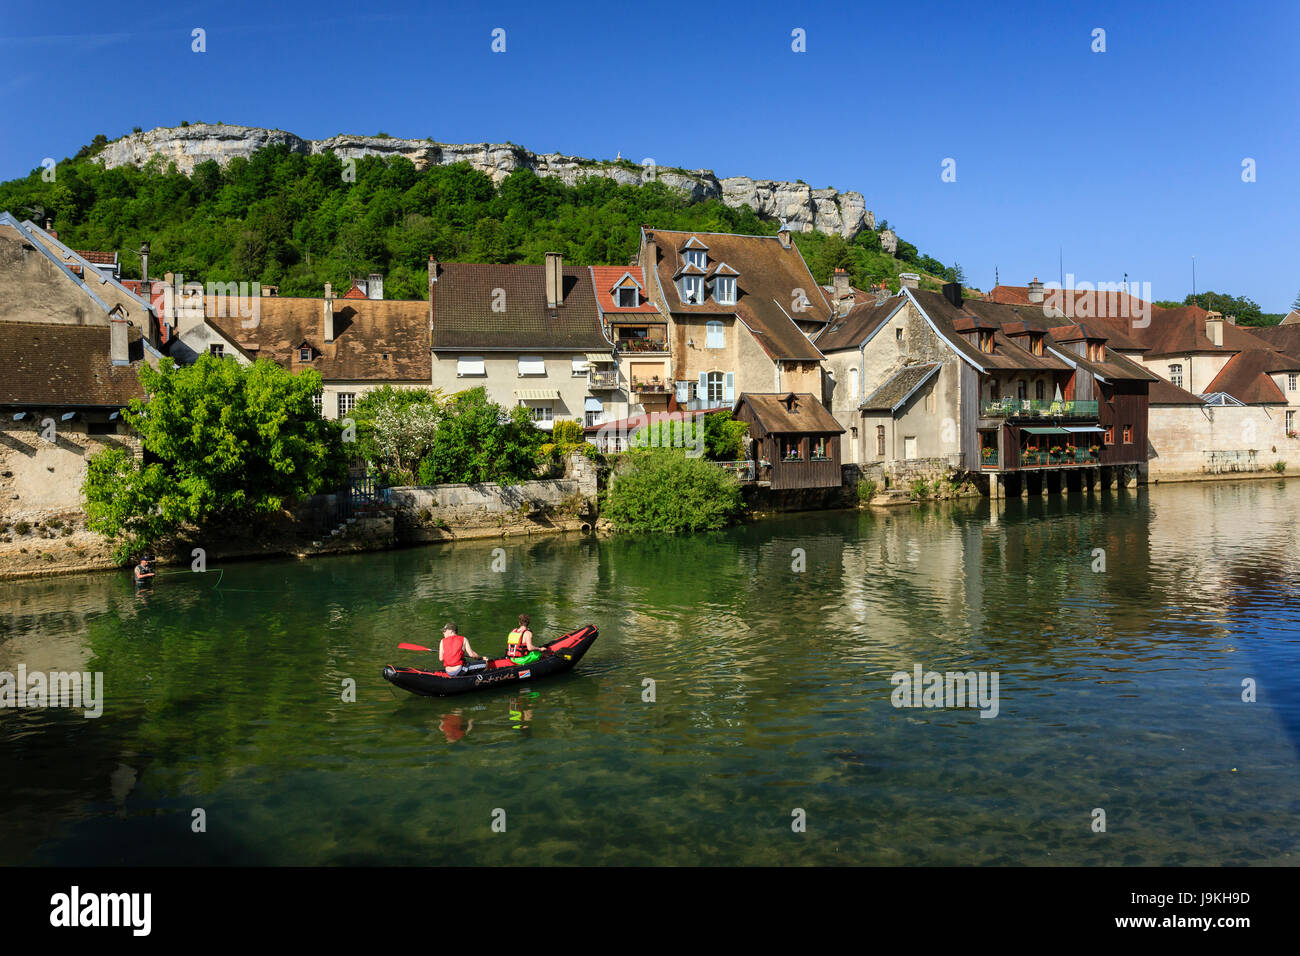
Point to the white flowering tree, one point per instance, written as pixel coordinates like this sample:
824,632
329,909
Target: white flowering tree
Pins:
396,429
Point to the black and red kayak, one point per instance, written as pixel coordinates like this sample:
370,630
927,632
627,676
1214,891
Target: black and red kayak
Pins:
558,656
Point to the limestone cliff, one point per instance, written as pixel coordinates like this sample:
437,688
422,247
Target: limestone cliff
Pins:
804,208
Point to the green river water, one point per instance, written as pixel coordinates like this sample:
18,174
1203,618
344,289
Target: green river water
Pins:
1119,690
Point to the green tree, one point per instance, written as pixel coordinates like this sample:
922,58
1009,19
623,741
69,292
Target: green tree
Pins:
1246,311
396,428
131,504
664,490
477,440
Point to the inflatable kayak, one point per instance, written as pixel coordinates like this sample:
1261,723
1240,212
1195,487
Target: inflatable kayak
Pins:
558,656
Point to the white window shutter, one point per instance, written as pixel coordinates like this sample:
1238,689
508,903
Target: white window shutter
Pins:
703,393
729,388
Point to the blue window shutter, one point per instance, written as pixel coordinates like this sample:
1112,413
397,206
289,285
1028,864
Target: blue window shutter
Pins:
729,389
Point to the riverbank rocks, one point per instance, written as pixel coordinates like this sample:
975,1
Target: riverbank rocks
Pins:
803,208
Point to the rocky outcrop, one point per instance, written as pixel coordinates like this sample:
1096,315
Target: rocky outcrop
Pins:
805,209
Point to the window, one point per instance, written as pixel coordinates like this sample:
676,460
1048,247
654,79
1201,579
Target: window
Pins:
1176,375
470,365
1036,346
543,415
1109,437
713,388
724,289
696,257
217,349
716,336
316,402
686,391
880,441
693,290
1290,424
532,365
304,354
986,342
898,334
853,383
1128,434
1022,390
819,449
791,449
1291,382
1096,351
347,401
628,298
1040,390
579,366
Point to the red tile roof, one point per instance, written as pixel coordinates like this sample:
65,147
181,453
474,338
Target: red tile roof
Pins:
100,258
354,293
605,278
1246,376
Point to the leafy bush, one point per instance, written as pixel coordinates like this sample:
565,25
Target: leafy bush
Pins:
396,429
920,488
477,440
1280,467
566,432
663,490
229,440
22,527
722,438
866,490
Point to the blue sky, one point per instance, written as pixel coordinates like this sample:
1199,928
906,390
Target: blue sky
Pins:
1127,161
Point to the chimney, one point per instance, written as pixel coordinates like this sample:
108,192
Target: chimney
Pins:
1230,319
784,235
433,270
375,286
952,292
909,280
554,279
841,284
1214,328
1036,291
328,311
144,262
118,342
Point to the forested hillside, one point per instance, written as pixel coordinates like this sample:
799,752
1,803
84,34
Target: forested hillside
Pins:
298,222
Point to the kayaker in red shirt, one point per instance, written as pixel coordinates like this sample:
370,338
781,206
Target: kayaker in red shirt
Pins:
453,650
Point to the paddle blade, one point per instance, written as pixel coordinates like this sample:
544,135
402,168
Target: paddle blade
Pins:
414,647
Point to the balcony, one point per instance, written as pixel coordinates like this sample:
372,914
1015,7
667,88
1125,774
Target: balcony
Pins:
1038,408
607,379
652,386
641,345
1058,457
989,458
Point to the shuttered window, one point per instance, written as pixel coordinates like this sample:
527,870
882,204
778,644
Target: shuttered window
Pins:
470,365
532,365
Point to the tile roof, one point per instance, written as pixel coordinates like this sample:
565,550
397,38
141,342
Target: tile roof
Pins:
806,414
365,330
766,288
463,319
66,365
1284,338
1166,393
899,387
1246,376
99,258
606,277
354,293
859,324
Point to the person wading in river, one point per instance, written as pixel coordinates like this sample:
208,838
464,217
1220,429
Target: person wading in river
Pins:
453,649
519,644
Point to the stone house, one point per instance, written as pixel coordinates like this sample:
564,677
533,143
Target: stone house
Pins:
740,311
532,335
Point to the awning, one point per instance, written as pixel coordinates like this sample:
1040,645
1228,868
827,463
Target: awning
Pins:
1085,428
537,394
599,357
594,405
1045,431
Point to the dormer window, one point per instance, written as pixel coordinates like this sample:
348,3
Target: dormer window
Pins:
304,354
696,257
986,342
629,297
724,290
1096,351
1035,345
693,290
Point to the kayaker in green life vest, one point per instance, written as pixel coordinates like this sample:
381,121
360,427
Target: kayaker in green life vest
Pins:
519,644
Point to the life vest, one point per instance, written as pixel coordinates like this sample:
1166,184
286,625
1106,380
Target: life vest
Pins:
515,643
453,651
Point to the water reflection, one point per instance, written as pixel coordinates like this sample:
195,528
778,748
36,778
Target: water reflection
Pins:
769,648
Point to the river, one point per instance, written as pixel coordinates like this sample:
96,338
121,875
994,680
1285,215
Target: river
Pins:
736,708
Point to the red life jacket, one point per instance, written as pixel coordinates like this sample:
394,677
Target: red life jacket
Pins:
453,650
515,643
